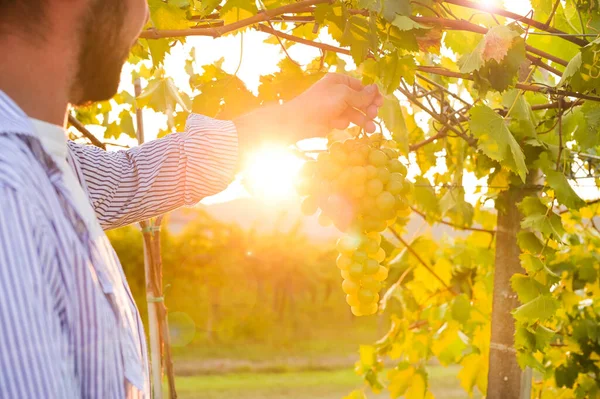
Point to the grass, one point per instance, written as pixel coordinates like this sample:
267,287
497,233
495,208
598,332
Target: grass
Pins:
329,384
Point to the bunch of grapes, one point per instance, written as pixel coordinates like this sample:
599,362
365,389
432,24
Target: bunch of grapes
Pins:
359,186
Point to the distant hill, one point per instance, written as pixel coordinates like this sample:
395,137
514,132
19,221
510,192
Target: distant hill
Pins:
264,216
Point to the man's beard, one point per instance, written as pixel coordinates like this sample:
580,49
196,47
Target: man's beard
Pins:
102,52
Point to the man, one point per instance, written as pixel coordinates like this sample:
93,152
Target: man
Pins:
68,325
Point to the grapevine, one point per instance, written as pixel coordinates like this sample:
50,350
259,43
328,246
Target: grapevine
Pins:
360,187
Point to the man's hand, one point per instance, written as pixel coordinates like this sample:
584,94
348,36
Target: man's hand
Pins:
332,103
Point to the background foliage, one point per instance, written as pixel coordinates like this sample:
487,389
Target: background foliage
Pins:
473,94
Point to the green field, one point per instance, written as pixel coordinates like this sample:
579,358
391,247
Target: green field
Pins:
329,384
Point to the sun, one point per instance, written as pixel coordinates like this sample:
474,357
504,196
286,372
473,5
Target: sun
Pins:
271,173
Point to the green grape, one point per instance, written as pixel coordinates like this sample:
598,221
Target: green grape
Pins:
360,256
388,213
343,262
350,287
381,274
355,270
337,153
364,150
376,137
397,177
368,205
370,246
359,174
352,300
374,187
407,188
376,225
371,171
396,166
308,170
347,244
367,310
392,154
394,187
380,255
332,170
323,157
356,311
310,205
365,296
307,187
370,283
344,179
401,203
356,159
371,266
383,174
358,191
347,277
385,201
324,220
325,188
378,158
359,185
376,237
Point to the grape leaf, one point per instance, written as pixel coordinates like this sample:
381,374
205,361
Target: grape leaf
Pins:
539,309
563,190
527,288
392,115
461,308
496,141
167,15
403,23
393,7
498,41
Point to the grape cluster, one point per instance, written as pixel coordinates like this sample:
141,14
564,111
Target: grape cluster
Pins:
359,185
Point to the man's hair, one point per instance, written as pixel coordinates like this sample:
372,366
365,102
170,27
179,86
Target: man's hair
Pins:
27,14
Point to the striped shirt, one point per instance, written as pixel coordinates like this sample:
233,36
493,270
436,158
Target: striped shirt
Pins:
69,327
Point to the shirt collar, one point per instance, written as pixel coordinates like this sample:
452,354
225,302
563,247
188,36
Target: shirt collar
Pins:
53,137
12,118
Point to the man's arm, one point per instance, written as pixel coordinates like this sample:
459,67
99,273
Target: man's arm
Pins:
161,175
32,347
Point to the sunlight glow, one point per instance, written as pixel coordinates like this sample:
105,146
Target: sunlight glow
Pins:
271,174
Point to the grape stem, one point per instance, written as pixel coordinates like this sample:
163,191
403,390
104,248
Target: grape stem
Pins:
456,226
421,261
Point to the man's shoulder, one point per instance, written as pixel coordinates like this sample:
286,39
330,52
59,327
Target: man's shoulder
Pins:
20,170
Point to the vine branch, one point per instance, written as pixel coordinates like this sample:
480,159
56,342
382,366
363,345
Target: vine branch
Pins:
488,8
421,261
262,16
83,130
456,226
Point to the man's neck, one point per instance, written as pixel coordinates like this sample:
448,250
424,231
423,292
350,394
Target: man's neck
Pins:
36,78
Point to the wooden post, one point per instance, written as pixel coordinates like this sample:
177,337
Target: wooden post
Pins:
153,326
505,376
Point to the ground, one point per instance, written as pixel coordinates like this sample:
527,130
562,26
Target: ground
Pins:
324,384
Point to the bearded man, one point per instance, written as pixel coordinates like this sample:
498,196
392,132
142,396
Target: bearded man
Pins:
68,325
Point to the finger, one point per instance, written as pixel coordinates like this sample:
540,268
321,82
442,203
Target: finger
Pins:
360,119
360,99
370,127
372,111
379,100
353,83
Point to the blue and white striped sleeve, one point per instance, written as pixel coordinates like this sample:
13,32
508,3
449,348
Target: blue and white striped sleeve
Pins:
33,348
161,175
